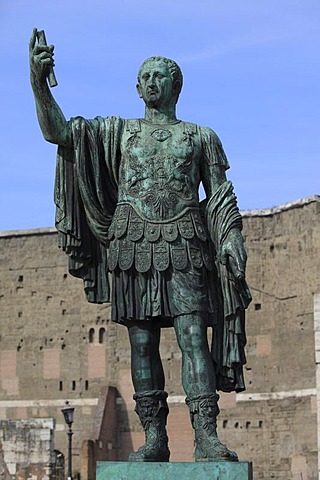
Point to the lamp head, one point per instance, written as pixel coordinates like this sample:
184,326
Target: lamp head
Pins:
68,412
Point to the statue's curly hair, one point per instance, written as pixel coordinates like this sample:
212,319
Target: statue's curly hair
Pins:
175,70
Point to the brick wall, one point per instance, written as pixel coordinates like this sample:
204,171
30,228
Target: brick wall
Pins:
55,346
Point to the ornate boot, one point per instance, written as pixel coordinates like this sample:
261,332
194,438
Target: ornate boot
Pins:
153,410
203,412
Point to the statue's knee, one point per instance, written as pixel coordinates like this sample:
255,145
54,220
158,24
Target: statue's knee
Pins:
191,339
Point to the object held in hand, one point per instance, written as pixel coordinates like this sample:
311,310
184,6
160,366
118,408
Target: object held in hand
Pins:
41,36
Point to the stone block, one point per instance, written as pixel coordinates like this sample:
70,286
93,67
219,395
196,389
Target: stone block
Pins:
174,470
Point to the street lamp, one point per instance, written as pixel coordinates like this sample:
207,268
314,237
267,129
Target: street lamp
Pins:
68,412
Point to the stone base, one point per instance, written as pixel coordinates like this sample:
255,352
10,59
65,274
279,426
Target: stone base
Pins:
174,471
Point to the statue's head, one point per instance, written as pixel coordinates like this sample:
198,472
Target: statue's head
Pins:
154,71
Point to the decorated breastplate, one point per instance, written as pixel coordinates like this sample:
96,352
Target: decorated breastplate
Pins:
159,171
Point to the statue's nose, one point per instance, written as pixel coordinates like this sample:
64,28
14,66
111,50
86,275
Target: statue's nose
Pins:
151,81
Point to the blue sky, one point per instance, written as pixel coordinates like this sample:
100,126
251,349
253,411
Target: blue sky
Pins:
251,72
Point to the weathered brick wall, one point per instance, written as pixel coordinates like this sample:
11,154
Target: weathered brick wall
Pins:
27,449
45,353
283,272
50,348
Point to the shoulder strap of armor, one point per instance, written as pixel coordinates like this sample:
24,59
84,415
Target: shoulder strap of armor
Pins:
190,128
133,125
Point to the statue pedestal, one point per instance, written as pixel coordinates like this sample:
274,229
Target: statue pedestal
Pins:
174,471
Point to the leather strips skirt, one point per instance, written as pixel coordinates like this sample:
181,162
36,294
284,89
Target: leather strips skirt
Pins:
161,296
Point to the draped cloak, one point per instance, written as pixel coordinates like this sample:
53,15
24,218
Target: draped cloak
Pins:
86,188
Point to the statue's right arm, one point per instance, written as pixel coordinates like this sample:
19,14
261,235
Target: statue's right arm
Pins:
52,122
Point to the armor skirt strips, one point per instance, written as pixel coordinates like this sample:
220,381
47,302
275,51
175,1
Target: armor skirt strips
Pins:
161,296
160,271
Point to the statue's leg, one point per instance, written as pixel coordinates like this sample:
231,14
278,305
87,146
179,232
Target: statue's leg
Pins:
198,378
146,365
197,366
151,404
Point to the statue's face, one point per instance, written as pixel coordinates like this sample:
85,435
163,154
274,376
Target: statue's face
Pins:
155,84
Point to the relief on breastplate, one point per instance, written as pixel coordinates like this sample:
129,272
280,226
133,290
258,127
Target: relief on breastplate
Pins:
159,174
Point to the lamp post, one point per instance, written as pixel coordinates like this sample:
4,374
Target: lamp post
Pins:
68,412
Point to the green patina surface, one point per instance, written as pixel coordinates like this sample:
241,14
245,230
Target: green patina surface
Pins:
174,471
127,197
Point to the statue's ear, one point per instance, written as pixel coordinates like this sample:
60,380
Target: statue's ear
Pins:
139,90
177,87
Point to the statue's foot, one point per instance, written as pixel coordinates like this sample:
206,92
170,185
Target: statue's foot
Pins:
215,452
147,454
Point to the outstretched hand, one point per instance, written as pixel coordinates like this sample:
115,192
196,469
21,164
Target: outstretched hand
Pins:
41,58
233,253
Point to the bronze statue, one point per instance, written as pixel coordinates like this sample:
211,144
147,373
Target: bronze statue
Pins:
127,202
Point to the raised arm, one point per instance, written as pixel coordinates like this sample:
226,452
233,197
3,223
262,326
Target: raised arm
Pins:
52,122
